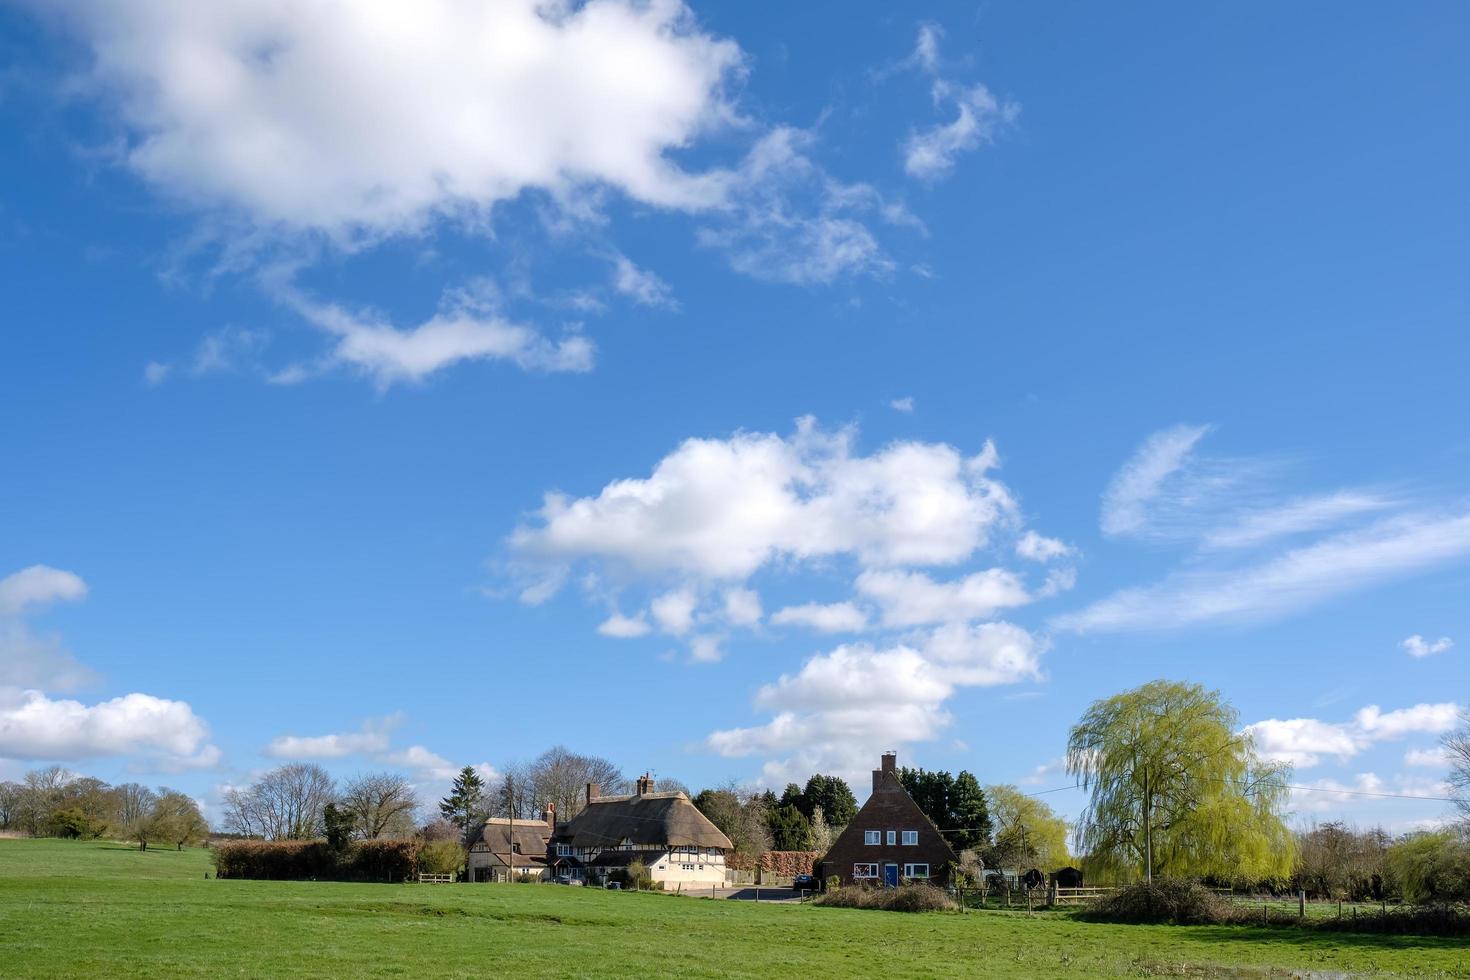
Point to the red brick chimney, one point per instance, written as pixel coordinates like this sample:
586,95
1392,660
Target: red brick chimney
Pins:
890,764
645,784
592,793
551,815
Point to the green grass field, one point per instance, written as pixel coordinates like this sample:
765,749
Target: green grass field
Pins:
100,909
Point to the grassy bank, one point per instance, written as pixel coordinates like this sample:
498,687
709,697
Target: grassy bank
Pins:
94,908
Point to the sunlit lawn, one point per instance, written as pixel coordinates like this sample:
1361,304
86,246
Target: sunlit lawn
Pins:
104,910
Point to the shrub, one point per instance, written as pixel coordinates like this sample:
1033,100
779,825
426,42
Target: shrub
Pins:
1437,919
910,897
1163,900
383,859
441,857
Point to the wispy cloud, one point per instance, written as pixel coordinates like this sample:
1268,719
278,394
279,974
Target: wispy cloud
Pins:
1294,580
1260,525
1142,478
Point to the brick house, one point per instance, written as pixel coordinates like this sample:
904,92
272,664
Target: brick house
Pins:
889,840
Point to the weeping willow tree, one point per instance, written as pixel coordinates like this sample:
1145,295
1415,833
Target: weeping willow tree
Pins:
1177,789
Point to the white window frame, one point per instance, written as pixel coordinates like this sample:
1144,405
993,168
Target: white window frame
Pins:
911,838
892,837
858,873
872,837
909,872
563,850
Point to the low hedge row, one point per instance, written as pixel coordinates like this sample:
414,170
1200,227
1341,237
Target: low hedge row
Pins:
294,860
911,897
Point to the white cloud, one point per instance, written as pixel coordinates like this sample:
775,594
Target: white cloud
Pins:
1293,580
1037,547
722,508
1304,741
1141,479
909,598
34,726
643,287
706,649
38,585
930,154
905,404
372,738
926,48
1417,646
845,706
624,627
378,117
769,236
742,607
1258,526
466,328
835,617
1434,758
674,611
156,373
428,765
32,660
1431,718
29,659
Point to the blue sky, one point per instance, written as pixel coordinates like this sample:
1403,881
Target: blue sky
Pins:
733,391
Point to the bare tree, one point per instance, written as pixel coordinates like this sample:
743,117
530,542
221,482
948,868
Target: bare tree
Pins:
382,804
284,804
132,802
10,802
560,776
1457,747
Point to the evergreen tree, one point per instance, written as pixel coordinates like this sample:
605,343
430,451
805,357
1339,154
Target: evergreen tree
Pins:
956,804
466,799
969,813
790,829
833,796
337,823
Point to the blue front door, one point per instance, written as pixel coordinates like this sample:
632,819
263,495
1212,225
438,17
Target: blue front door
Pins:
890,875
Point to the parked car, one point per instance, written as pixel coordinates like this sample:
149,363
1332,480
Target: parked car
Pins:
567,880
807,883
614,885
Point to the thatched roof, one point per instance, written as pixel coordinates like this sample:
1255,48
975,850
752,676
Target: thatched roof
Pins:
655,819
531,835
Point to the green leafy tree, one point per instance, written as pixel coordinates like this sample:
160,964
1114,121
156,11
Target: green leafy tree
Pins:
466,800
1027,832
1433,866
1177,788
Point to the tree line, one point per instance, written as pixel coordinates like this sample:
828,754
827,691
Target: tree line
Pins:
55,802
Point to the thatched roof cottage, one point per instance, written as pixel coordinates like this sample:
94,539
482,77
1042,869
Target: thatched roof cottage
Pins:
665,831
